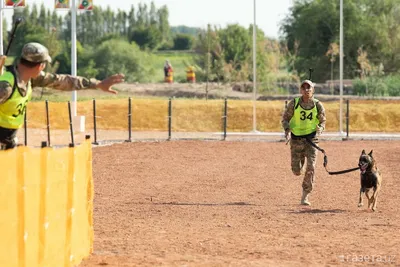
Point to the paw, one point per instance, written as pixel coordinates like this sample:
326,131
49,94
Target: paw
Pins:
360,205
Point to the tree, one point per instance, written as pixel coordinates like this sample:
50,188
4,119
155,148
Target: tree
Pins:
147,37
373,25
193,31
183,42
332,53
131,21
142,16
362,60
118,56
163,17
63,59
209,55
153,18
42,17
236,43
34,15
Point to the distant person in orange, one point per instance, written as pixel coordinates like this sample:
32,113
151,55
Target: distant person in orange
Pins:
168,71
167,68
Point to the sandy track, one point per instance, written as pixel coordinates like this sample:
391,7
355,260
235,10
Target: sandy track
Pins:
213,203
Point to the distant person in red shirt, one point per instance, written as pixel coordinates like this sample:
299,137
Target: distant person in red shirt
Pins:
167,69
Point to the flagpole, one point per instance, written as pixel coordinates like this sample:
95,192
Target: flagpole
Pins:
73,55
341,69
254,70
1,27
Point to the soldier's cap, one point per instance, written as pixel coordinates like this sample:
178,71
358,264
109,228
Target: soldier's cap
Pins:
35,53
310,83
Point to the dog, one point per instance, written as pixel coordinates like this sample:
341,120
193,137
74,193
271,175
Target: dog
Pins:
371,179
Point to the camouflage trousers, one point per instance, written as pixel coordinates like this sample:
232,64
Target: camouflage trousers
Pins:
7,137
303,160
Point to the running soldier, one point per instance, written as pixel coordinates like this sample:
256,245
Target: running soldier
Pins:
304,118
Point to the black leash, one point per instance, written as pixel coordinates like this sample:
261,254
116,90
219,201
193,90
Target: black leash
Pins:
326,160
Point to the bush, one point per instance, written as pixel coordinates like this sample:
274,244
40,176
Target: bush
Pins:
372,86
166,45
393,85
117,56
147,37
359,87
183,42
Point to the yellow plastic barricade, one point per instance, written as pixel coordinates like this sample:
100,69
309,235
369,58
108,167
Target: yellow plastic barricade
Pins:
46,206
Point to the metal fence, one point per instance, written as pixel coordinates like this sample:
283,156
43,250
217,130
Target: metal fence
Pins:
103,136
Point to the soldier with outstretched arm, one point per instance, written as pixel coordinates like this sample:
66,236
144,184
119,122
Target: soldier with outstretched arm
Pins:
17,81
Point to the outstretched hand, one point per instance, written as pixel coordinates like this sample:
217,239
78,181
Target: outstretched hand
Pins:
107,83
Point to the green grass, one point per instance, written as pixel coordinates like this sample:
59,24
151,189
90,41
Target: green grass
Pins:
177,59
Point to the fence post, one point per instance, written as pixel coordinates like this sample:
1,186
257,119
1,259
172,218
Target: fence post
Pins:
225,117
48,123
169,118
129,120
94,122
70,124
25,127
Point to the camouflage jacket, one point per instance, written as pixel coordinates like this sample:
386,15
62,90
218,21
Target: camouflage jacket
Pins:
288,114
62,82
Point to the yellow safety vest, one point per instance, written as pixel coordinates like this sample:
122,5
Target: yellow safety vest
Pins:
13,110
304,121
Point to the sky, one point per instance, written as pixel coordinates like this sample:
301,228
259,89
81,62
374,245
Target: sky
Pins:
198,13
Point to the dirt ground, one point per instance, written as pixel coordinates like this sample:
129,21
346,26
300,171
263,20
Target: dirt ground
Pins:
225,203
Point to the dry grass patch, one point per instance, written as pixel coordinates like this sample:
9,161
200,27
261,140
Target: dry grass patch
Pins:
206,116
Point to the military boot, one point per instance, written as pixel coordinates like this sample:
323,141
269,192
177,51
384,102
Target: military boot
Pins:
304,199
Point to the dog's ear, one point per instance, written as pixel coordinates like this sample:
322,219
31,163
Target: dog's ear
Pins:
363,152
370,153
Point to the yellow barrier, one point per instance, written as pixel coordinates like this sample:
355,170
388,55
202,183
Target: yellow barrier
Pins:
46,206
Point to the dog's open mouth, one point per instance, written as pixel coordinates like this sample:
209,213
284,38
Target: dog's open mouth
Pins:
363,167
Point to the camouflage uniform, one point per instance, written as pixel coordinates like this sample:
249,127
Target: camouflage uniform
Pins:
37,53
300,148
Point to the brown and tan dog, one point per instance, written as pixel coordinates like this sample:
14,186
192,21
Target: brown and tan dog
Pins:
371,179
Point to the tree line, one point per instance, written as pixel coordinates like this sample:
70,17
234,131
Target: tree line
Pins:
111,40
371,42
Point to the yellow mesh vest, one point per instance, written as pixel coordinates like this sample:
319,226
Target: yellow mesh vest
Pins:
304,121
13,110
